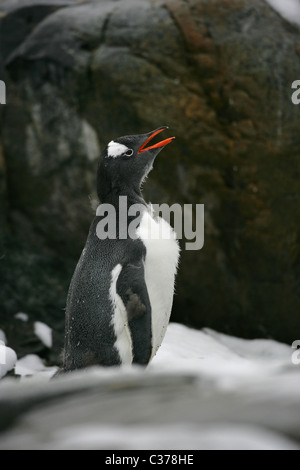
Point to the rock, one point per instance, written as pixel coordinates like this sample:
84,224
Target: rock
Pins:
21,17
137,410
203,390
217,73
3,195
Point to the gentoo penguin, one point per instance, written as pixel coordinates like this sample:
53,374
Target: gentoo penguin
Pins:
121,293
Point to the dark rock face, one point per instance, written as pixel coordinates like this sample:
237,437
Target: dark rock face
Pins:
219,74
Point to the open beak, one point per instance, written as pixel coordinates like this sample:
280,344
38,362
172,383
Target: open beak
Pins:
144,147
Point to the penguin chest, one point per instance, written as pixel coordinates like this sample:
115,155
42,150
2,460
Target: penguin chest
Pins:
162,254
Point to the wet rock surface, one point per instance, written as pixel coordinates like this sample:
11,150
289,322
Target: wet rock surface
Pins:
219,74
203,390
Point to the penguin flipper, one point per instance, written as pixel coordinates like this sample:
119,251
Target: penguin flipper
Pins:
132,289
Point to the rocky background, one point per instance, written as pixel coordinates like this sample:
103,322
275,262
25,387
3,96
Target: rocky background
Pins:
219,73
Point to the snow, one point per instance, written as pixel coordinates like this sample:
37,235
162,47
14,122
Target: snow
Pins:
259,348
8,359
30,365
22,316
44,333
249,390
256,369
8,356
2,336
33,365
183,437
288,9
227,360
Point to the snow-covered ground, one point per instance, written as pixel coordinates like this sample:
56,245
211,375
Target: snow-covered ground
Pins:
175,437
8,357
29,365
33,365
223,358
250,399
8,360
288,9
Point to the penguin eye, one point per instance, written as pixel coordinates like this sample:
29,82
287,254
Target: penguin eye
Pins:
129,152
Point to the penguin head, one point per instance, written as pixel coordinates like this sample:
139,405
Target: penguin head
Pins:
126,161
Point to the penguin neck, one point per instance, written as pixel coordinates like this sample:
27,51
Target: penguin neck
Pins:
133,195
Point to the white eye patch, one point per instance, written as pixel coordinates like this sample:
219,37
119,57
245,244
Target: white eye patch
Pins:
115,150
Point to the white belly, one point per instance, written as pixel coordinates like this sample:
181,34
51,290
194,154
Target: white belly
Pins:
160,268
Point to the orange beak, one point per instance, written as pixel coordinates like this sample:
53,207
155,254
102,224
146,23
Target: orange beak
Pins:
143,147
